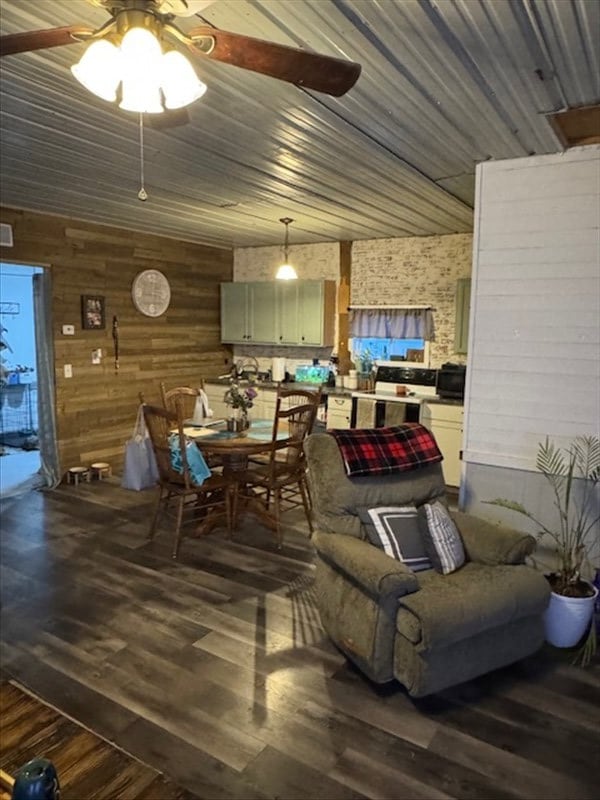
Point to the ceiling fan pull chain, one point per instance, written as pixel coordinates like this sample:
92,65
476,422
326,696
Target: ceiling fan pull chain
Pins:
142,194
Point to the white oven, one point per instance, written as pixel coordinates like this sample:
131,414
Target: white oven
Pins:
384,406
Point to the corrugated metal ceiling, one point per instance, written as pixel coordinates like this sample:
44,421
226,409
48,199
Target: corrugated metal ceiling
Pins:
444,85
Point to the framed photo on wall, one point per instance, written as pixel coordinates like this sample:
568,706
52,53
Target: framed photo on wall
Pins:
92,312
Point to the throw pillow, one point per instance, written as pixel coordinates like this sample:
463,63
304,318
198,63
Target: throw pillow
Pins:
395,530
442,539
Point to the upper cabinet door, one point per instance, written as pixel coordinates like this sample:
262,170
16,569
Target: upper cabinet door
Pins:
287,312
234,312
316,312
463,304
262,328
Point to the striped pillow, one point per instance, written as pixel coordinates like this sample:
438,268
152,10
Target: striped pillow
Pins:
395,530
442,539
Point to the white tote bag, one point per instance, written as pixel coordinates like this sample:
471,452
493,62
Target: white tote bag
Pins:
139,470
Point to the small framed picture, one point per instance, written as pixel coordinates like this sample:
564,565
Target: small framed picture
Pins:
92,312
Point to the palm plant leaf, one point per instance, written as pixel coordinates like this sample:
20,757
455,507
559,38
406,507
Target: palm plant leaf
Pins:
550,459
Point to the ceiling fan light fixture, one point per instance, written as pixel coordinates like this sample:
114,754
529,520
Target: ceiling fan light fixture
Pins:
180,84
141,59
100,69
286,271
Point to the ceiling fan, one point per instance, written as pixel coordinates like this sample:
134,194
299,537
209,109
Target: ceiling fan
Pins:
303,68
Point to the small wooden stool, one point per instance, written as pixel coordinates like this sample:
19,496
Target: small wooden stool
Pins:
76,474
101,470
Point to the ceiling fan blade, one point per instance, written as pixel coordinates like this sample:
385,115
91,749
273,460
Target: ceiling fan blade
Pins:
310,70
40,40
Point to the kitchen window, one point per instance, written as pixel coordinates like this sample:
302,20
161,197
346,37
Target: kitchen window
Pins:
387,333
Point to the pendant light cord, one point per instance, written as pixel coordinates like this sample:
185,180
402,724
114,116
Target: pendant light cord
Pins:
142,194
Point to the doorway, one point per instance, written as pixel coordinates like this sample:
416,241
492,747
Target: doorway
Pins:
20,396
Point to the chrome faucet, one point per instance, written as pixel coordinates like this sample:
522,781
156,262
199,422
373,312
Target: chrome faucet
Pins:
244,364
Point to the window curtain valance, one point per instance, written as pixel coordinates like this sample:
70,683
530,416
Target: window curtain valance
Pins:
392,323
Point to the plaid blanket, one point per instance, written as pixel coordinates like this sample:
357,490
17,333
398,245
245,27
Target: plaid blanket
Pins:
382,451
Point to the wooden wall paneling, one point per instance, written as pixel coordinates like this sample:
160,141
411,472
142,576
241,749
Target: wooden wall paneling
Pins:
96,408
343,301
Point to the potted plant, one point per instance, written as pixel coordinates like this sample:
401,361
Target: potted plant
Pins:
573,474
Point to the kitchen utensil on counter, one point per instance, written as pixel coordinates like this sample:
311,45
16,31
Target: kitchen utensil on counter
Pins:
278,370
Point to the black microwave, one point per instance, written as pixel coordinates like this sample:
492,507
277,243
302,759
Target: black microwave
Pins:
450,382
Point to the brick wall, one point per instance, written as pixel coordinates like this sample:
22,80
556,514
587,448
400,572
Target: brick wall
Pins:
415,271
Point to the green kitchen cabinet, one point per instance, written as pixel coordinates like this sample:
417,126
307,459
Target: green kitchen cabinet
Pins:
316,311
463,304
270,312
288,320
248,312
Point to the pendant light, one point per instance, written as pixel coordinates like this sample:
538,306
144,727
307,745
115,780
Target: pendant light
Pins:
286,272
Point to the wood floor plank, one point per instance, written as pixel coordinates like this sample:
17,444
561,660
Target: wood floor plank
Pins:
88,767
215,670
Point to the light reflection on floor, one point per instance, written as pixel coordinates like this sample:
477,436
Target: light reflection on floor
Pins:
18,471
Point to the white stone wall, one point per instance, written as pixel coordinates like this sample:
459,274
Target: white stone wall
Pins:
415,271
312,262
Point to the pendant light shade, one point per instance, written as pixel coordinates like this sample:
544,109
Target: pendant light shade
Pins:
286,272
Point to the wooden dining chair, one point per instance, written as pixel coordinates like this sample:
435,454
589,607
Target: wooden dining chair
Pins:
178,494
187,395
282,479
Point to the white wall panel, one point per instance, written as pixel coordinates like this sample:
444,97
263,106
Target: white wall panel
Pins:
534,367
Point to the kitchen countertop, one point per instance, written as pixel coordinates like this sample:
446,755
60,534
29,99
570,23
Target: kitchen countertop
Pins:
329,390
333,391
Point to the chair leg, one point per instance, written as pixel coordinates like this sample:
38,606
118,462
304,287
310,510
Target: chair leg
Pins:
156,514
178,526
277,512
304,494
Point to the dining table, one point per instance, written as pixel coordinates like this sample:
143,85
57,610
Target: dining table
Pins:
234,450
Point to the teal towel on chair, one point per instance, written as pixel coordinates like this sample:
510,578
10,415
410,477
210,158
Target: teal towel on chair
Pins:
199,470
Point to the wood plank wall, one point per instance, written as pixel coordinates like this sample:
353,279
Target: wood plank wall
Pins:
96,408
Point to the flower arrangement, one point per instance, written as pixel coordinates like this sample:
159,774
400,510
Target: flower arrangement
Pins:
242,399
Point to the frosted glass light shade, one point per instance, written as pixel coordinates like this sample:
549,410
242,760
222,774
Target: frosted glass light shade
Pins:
179,82
146,74
286,273
99,69
141,68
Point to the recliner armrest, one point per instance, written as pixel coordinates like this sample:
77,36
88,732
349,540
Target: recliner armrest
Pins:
487,543
366,565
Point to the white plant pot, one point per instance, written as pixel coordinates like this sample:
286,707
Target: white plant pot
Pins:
567,618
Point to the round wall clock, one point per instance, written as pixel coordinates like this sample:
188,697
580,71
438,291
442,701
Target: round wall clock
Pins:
151,293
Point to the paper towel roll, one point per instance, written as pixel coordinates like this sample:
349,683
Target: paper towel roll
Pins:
278,369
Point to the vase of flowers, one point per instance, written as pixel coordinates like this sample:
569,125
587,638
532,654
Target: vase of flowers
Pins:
241,401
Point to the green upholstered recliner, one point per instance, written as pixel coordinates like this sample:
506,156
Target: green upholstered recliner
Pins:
427,630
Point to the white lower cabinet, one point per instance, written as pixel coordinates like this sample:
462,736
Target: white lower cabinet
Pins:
339,411
446,424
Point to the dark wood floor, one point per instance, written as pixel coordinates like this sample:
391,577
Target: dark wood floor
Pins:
88,767
215,671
